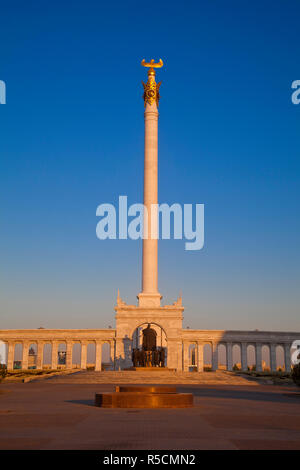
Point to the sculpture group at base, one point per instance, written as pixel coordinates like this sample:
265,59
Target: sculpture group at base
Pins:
149,355
154,358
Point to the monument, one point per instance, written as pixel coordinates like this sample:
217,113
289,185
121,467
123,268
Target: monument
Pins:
165,321
148,327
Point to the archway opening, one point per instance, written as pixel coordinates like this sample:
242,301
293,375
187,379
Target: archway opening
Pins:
251,358
222,356
236,357
76,355
207,357
61,356
91,355
47,354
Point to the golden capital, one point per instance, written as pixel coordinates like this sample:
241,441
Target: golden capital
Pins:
151,88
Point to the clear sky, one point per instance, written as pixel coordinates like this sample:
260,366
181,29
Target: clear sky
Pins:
72,138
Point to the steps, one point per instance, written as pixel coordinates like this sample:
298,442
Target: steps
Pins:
144,377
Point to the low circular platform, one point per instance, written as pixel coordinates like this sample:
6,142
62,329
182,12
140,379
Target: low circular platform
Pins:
144,397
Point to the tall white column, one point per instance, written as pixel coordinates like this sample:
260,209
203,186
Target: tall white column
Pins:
150,295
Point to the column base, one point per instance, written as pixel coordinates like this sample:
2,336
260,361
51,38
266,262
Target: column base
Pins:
149,300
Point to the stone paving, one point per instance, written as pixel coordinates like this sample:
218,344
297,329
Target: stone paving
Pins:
47,414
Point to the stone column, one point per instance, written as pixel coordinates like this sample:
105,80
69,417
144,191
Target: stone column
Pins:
186,359
273,357
200,357
215,361
150,295
244,357
258,357
98,360
54,354
83,355
287,357
69,355
40,354
10,355
229,360
25,352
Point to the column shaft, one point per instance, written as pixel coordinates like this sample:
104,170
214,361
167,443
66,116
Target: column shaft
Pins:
112,353
215,359
69,355
258,357
149,278
287,357
83,355
54,354
244,357
40,354
98,360
186,359
273,357
25,352
10,355
229,361
200,357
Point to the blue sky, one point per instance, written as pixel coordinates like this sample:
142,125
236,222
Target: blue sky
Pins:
71,138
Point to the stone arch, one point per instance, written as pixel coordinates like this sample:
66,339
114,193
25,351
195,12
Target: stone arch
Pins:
156,326
47,355
237,355
279,354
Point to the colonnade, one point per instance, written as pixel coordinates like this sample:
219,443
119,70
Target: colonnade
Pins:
54,352
199,354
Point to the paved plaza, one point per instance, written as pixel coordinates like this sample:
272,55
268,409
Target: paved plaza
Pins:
47,414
